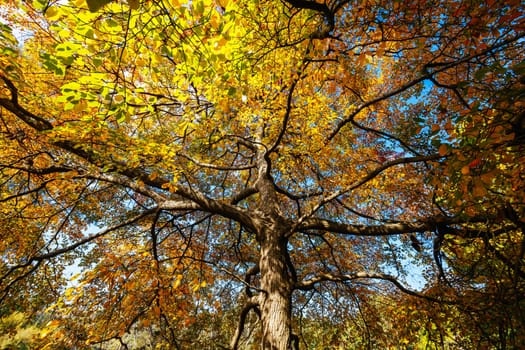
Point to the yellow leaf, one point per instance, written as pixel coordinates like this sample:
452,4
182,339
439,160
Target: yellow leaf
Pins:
63,34
50,327
69,293
75,276
223,3
53,323
52,13
118,98
81,106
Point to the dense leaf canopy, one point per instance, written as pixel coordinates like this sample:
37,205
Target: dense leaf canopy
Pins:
229,173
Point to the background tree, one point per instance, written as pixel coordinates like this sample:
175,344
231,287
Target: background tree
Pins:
272,160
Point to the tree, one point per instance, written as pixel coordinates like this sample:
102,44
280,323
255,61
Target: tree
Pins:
272,158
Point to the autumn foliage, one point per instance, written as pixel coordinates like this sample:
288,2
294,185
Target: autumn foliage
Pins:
240,174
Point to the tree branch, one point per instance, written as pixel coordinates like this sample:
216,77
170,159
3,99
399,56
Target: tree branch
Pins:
247,192
217,167
36,260
426,75
25,193
327,12
364,180
251,304
252,271
387,229
325,277
286,117
14,107
39,124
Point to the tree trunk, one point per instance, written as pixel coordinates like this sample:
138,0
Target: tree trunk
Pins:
275,301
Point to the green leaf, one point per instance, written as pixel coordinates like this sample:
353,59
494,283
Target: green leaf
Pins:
121,117
519,68
232,91
40,5
112,23
480,74
95,5
97,62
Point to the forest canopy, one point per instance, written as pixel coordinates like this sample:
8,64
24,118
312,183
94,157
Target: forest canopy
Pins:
241,174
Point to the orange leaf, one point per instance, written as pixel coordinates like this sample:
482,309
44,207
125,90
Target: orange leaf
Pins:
443,150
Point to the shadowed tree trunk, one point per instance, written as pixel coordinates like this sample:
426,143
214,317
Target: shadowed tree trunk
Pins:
275,300
276,284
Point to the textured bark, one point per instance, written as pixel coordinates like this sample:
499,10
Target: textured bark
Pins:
276,283
275,301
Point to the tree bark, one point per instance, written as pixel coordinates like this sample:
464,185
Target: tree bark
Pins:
275,301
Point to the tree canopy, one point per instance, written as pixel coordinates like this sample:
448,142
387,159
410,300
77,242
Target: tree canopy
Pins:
293,174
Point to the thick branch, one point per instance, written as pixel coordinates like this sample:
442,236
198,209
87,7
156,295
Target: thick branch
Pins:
310,5
178,205
247,192
324,277
12,105
191,199
39,171
386,229
223,208
365,230
327,12
252,271
252,303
